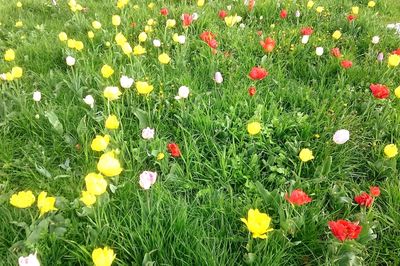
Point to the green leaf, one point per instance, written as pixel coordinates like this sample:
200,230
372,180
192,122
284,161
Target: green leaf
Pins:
143,118
55,122
43,171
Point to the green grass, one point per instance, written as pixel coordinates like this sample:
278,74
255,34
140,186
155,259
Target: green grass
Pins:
191,215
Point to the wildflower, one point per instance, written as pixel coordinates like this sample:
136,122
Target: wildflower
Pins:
268,44
30,260
90,34
218,77
62,36
375,39
343,229
254,128
142,37
341,136
355,10
100,143
160,156
107,71
186,20
379,91
297,14
143,87
319,9
148,133
170,23
116,20
103,256
37,96
70,60
310,4
16,72
19,24
139,50
164,11
126,82
108,165
232,20
183,93
156,43
88,198
200,3
364,199
112,93
306,155
371,4
147,179
306,33
126,48
397,92
258,73
375,191
346,64
319,51
174,150
22,199
89,100
252,91
96,25
336,52
283,14
222,14
258,223
351,17
336,35
45,204
164,58
393,60
298,197
9,55
79,45
120,39
390,150
95,184
112,122
380,57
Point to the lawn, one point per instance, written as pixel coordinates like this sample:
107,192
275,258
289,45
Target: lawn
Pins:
182,133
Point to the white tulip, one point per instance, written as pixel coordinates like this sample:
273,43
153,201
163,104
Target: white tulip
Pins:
89,100
305,39
183,93
30,260
70,60
375,39
341,136
156,43
126,82
319,51
181,39
195,16
218,77
37,96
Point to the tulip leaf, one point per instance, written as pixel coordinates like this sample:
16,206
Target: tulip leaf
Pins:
43,171
55,122
143,117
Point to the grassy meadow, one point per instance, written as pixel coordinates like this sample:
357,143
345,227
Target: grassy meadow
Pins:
191,214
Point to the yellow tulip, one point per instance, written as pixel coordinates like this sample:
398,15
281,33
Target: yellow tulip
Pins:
126,48
258,223
306,155
139,50
79,45
107,71
390,150
355,10
142,37
397,92
310,4
108,165
16,72
143,87
103,256
120,39
90,34
9,55
254,128
112,122
336,35
96,25
62,36
46,204
19,24
87,198
100,143
371,3
71,43
200,3
22,199
116,20
164,58
95,184
112,93
319,9
394,60
170,23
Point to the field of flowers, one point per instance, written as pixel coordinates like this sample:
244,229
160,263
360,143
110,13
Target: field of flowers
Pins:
203,132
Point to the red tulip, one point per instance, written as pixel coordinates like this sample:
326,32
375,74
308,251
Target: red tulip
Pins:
209,38
343,229
346,64
164,11
251,4
268,45
187,20
252,91
351,17
173,148
306,31
258,73
222,14
298,197
283,13
396,51
375,191
364,199
336,52
379,91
